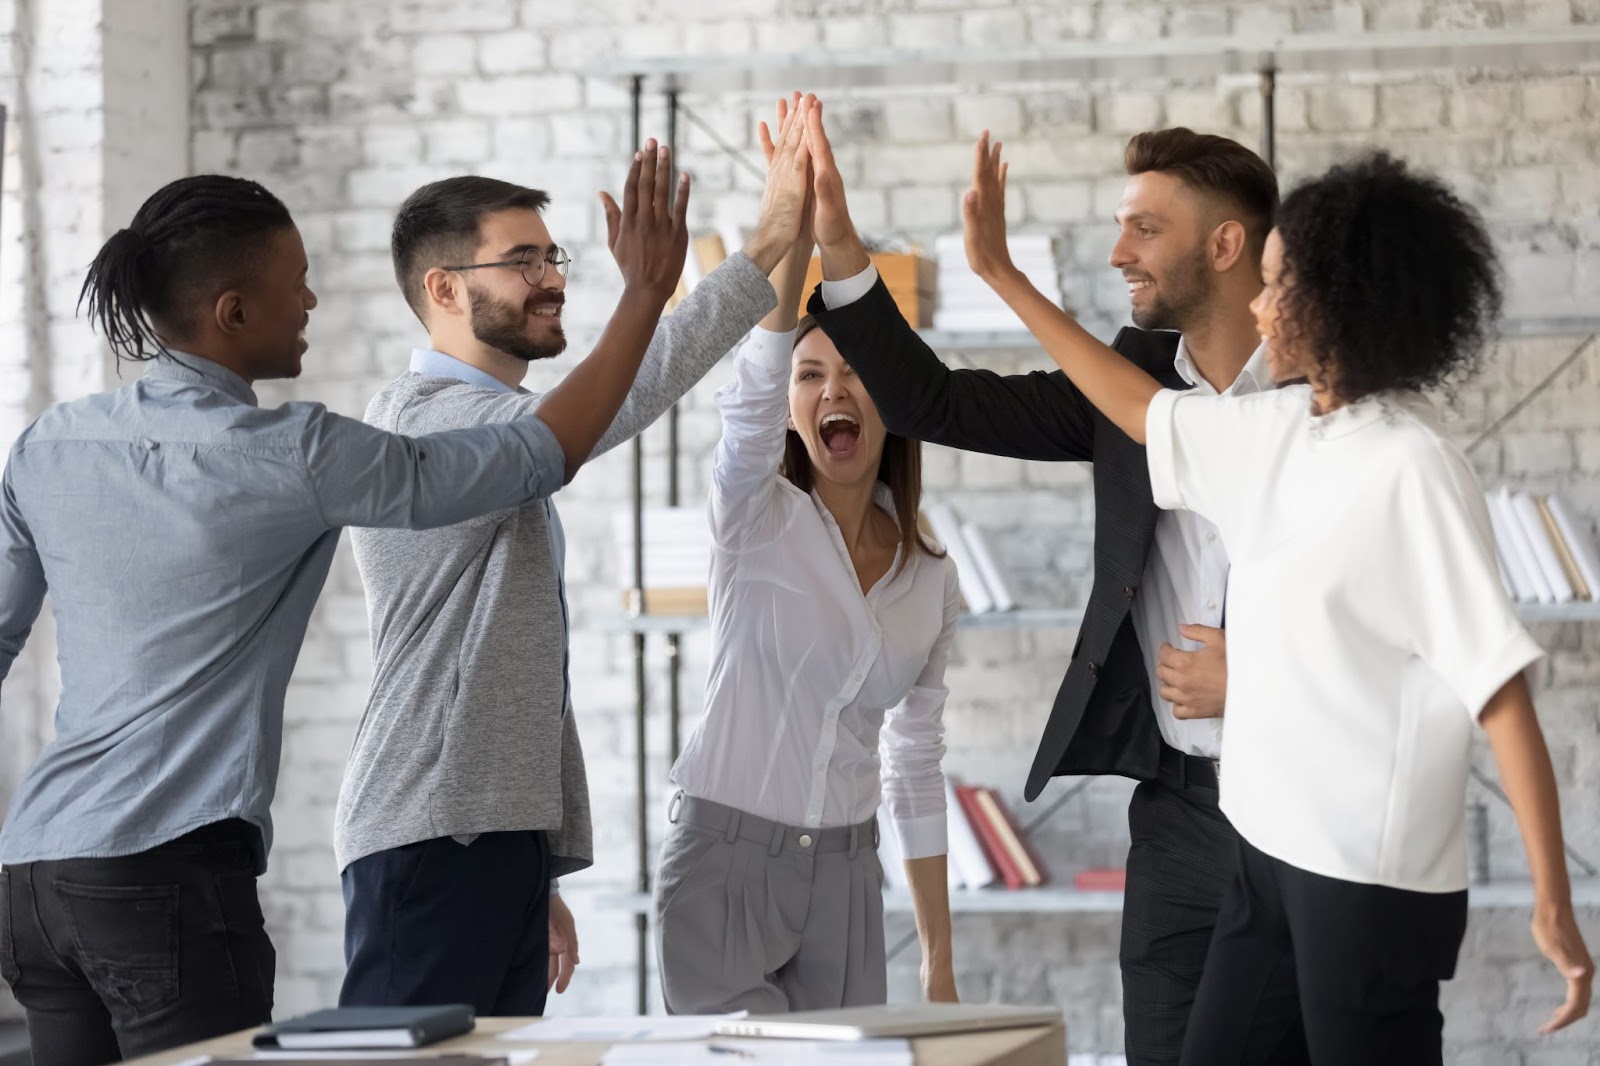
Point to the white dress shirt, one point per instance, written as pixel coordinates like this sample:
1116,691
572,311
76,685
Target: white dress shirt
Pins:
1367,624
811,679
1186,577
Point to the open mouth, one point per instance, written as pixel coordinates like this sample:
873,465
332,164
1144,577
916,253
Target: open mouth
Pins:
1138,285
840,434
550,309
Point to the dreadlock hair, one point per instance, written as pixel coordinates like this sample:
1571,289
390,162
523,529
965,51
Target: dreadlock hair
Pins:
193,237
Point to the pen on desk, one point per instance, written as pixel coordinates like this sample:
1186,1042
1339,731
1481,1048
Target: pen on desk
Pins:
719,1049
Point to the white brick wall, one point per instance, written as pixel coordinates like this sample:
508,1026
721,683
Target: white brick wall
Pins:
344,106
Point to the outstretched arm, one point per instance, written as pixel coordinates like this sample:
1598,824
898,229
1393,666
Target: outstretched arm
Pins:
1120,390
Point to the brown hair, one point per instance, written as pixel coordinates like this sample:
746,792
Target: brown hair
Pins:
1213,165
900,467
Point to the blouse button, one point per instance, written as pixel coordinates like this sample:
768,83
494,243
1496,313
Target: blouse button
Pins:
1094,669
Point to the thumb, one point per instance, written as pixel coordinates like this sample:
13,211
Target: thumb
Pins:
613,218
1203,634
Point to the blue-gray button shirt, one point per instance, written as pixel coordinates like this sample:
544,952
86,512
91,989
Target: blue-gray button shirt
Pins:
183,534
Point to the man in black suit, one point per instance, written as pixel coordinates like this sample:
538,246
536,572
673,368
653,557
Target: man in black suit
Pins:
1142,696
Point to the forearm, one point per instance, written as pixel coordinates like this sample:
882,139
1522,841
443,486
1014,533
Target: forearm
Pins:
930,900
579,410
1120,390
788,280
1530,783
844,257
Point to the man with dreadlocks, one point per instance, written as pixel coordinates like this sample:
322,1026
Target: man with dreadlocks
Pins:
183,533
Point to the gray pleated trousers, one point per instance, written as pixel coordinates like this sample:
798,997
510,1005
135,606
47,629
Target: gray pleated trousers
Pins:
754,915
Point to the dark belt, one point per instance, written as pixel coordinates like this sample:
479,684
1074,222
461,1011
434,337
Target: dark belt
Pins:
1187,771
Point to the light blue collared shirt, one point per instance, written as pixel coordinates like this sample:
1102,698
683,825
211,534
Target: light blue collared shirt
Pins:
183,534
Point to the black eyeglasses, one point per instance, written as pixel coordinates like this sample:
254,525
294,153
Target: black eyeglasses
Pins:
532,270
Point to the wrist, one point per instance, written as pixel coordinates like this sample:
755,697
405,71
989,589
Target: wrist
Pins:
765,249
844,257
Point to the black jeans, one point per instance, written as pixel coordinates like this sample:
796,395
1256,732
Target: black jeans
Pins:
115,958
442,922
1368,960
1182,860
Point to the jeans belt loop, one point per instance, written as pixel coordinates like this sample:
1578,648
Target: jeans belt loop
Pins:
732,832
853,831
776,844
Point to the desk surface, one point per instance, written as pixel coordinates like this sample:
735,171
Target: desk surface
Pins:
1044,1045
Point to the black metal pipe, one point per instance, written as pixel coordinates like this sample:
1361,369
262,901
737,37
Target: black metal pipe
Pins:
674,640
641,921
1269,130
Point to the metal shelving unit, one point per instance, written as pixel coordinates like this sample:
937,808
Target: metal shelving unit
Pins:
887,71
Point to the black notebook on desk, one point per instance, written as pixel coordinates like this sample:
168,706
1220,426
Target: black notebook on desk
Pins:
367,1027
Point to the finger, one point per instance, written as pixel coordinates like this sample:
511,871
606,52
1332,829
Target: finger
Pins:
646,185
1003,168
817,143
552,971
783,112
1201,634
662,202
1173,694
565,977
680,209
1575,1007
1183,712
613,218
765,135
980,155
794,134
630,188
1168,655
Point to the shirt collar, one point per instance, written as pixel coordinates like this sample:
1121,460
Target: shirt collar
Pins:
1254,377
172,365
434,364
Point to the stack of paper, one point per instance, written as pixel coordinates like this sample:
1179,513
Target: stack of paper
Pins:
677,559
724,1051
610,1029
1544,553
967,304
983,582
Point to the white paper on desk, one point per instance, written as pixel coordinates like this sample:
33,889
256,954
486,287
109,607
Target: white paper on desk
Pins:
613,1029
768,1052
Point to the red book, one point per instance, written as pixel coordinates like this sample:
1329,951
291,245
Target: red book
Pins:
1027,862
989,837
1101,880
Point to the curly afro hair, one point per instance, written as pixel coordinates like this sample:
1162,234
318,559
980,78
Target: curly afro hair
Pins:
1391,281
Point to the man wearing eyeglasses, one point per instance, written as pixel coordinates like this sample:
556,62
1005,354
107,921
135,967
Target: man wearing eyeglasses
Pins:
465,795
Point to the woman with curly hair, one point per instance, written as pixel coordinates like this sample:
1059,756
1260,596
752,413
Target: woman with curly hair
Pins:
1368,628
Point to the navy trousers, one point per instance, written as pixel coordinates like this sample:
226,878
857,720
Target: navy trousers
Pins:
443,922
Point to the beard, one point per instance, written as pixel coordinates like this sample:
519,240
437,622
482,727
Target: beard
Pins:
503,326
1182,294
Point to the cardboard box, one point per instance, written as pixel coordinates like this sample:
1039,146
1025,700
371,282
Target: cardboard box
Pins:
911,280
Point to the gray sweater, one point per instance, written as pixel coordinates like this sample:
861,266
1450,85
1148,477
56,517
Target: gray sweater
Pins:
468,728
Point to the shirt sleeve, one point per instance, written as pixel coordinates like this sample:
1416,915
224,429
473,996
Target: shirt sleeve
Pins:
1200,450
364,476
755,421
841,293
911,746
22,584
1447,589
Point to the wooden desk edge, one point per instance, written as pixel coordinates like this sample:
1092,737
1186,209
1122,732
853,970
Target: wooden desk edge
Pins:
1042,1045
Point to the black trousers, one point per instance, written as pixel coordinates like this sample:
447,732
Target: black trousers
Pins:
1182,860
442,922
115,958
1368,961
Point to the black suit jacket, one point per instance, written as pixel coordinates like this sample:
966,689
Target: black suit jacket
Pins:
1102,721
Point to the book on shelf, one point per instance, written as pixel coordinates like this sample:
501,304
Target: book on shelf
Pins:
1100,880
1544,553
966,304
677,560
968,864
984,586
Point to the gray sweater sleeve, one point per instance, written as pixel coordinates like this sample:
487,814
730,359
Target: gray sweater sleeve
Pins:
689,341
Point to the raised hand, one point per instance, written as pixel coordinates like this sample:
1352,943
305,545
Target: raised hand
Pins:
783,202
649,234
790,120
983,210
843,254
